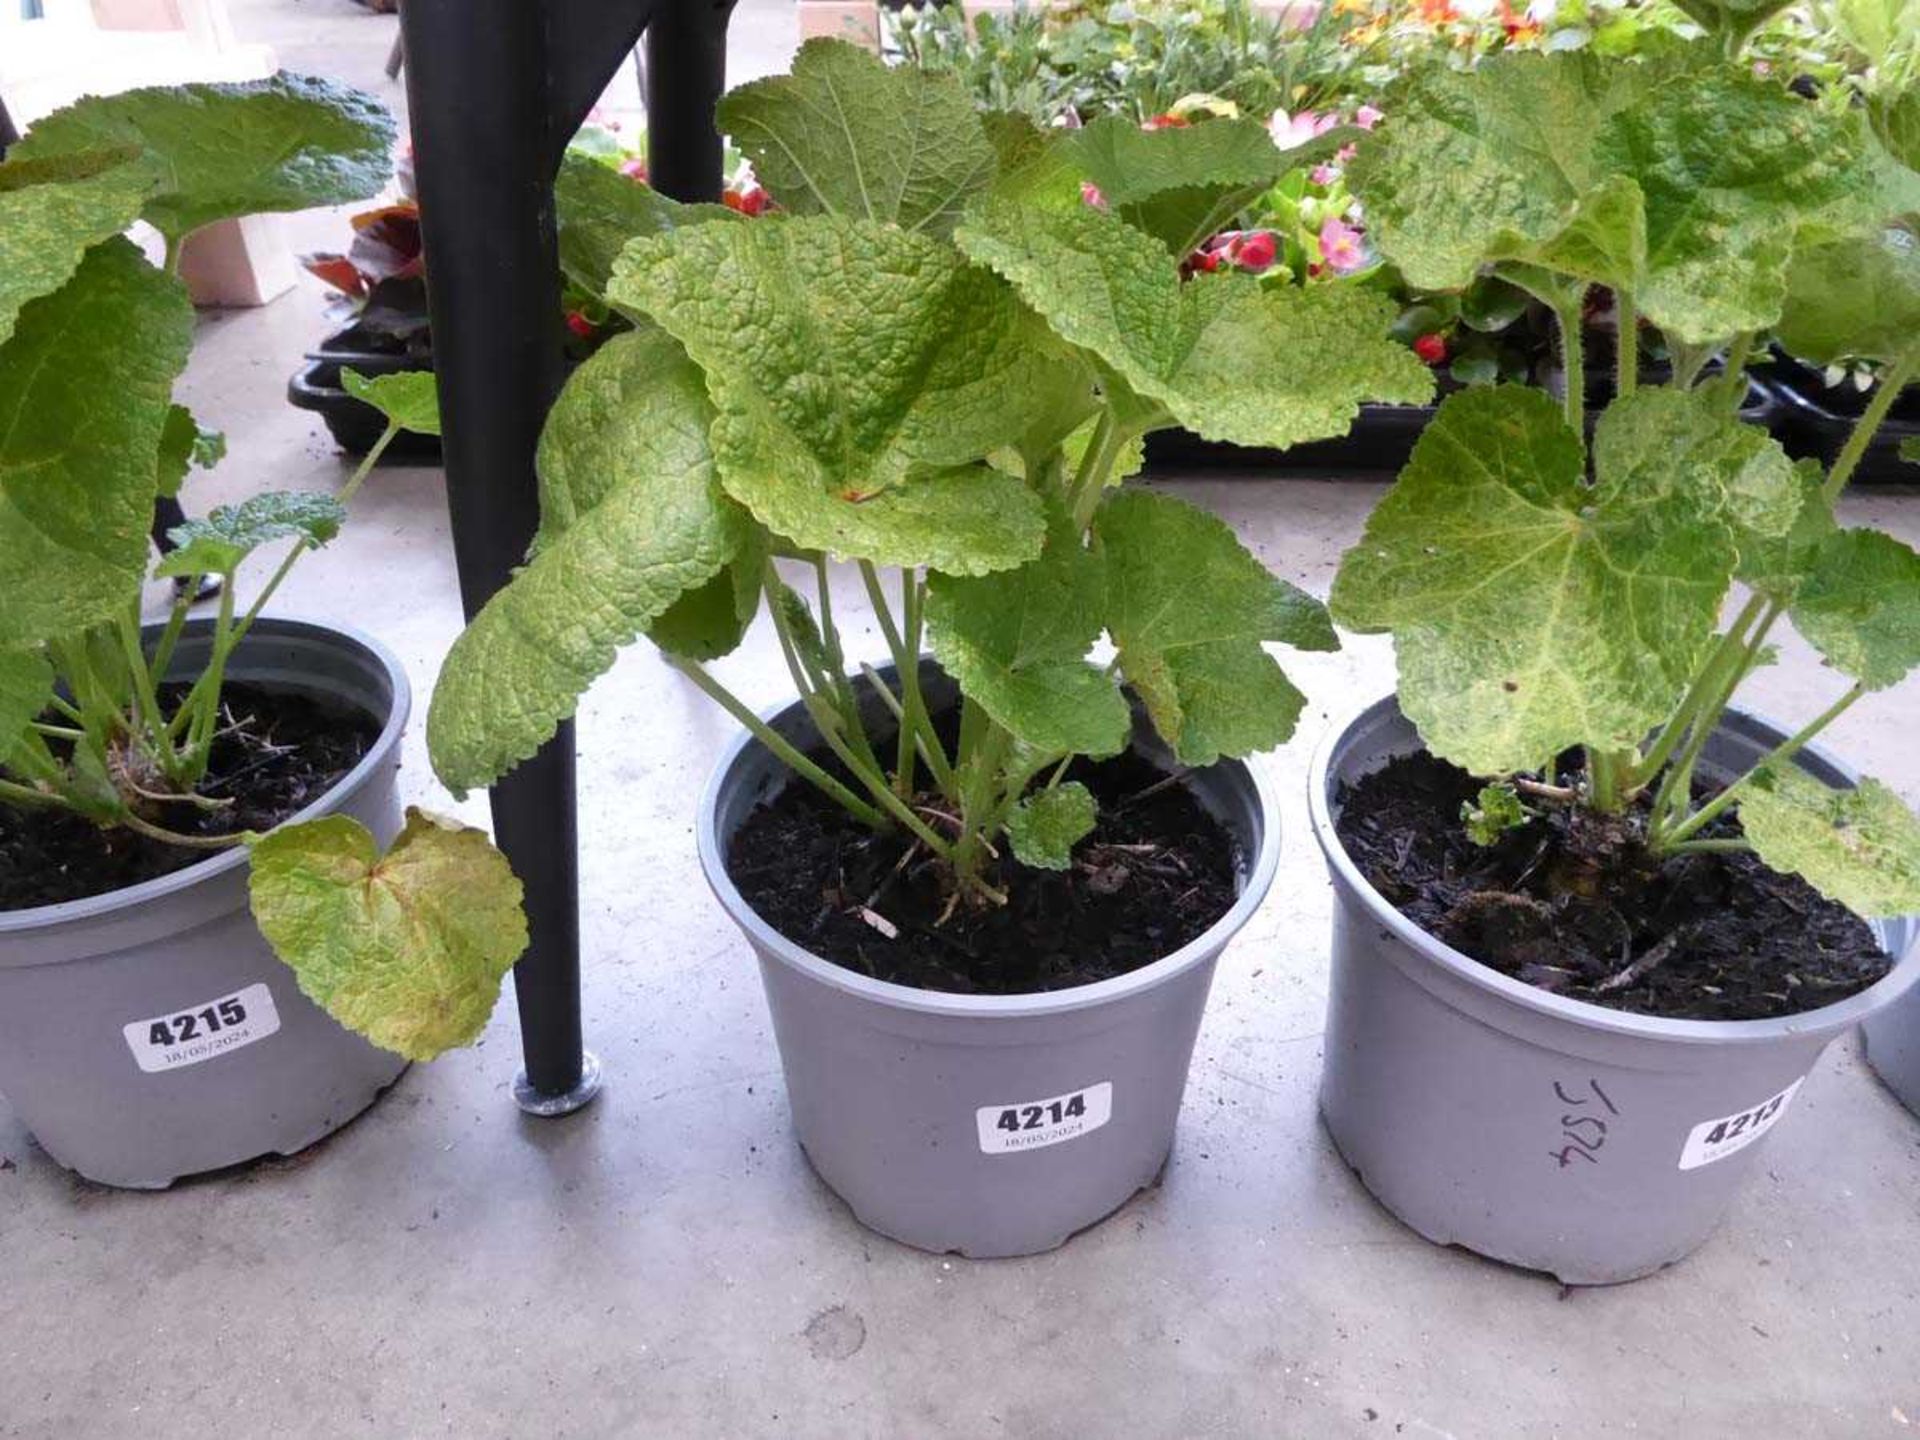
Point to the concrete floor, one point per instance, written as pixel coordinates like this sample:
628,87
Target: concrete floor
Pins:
665,1263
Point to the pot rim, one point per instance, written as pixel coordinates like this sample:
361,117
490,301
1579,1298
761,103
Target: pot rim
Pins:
94,907
1839,1016
769,941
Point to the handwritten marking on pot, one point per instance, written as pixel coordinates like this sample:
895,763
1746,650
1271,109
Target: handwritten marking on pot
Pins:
1716,1139
1585,1133
1034,1124
194,1033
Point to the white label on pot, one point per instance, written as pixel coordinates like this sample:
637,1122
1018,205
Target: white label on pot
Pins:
199,1032
1034,1124
1713,1140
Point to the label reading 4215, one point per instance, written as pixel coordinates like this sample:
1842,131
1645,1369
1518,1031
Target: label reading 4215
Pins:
1034,1124
199,1032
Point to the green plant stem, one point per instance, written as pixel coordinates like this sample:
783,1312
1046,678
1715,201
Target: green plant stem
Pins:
978,797
778,744
1892,382
170,636
1785,750
25,795
170,259
903,643
1708,847
1676,787
1626,344
1090,480
1731,647
1573,358
1606,774
1733,374
57,732
347,492
173,837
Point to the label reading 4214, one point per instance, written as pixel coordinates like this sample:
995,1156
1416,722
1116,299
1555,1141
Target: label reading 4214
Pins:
1726,1135
1034,1124
199,1032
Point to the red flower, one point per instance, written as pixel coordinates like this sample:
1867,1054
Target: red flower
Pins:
634,169
1431,348
751,201
1168,121
1255,250
580,325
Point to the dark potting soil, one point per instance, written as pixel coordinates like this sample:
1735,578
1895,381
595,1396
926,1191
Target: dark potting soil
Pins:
1155,873
278,754
1572,903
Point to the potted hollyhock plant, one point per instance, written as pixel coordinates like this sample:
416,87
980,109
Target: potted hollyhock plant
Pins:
986,885
1594,925
183,802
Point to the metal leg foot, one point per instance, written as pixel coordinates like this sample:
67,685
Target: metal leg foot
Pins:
566,1102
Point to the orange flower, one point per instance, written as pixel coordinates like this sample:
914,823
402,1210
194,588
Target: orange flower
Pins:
1436,12
1520,28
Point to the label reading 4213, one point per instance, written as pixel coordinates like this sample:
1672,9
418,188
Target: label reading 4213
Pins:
199,1032
1716,1139
1034,1124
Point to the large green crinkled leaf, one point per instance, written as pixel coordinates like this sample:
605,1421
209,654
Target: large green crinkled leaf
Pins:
288,142
1044,827
1776,566
409,399
26,684
1860,606
1728,165
1230,358
1860,847
1529,610
1181,183
860,373
1017,643
1537,158
844,134
217,544
408,948
1188,608
632,521
85,385
1472,166
1896,120
597,210
52,210
1859,296
184,443
712,620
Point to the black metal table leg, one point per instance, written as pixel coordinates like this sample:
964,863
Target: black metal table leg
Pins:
496,87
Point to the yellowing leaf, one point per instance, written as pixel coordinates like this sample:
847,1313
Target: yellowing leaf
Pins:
1189,608
861,374
1860,606
1860,847
632,522
408,948
1229,358
1529,610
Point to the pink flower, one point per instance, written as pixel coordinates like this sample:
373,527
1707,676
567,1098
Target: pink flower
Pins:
580,325
634,169
1255,251
1324,174
1090,195
1291,131
1366,117
1345,154
1341,247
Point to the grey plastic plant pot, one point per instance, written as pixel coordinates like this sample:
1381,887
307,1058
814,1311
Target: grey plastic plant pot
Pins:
1893,1047
1546,1132
250,1066
987,1125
